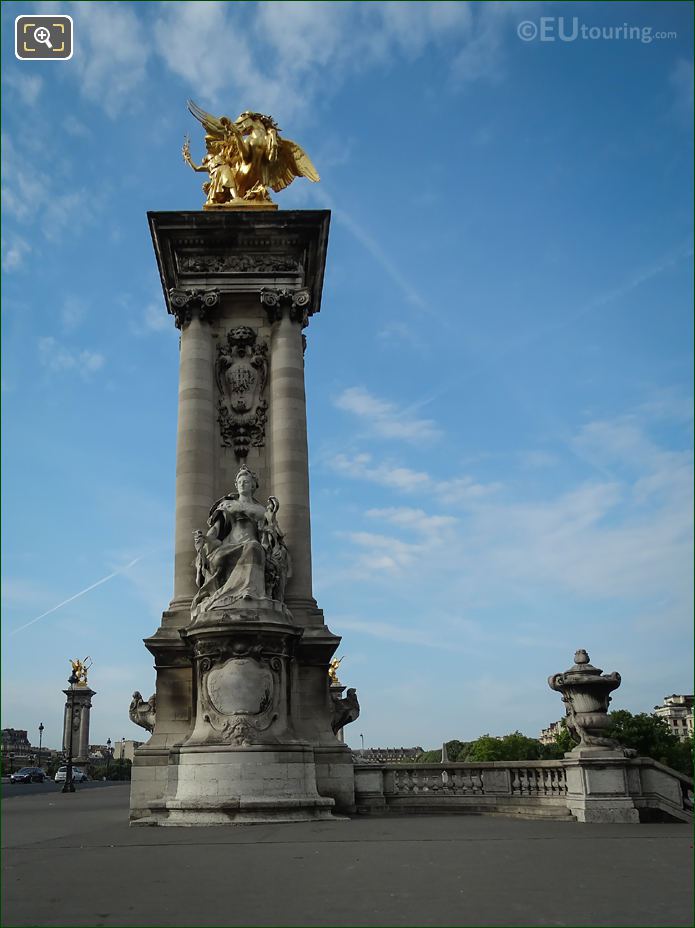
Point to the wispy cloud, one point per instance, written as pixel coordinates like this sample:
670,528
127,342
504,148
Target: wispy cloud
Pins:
397,633
110,59
461,490
22,178
154,318
682,82
58,358
26,86
622,539
72,312
385,418
360,466
14,250
281,56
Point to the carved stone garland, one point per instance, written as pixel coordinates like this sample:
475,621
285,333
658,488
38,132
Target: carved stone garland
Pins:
239,264
241,372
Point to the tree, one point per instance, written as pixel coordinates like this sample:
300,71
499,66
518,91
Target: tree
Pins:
563,743
511,747
650,736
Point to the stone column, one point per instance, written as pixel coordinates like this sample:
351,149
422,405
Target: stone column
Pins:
81,699
289,464
195,435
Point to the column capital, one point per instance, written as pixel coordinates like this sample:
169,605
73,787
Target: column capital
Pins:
184,303
296,302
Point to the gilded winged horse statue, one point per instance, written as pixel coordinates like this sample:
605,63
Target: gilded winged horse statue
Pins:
244,158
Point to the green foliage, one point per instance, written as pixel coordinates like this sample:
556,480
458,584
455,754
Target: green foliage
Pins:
118,770
651,736
429,757
647,734
455,750
563,743
511,747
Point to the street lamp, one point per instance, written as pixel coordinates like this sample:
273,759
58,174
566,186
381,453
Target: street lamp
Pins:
11,763
40,741
122,749
108,756
69,786
362,737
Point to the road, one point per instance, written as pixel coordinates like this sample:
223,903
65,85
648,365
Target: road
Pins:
48,786
71,859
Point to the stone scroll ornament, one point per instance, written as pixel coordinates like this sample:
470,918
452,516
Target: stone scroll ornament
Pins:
241,373
184,304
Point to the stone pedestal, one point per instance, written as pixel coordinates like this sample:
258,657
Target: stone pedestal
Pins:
598,787
241,287
80,699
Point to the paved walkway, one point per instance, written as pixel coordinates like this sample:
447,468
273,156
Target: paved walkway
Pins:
72,860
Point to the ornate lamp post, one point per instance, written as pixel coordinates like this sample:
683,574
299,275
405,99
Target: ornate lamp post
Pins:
69,786
40,741
108,756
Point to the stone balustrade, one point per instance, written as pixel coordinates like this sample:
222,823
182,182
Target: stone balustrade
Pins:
641,788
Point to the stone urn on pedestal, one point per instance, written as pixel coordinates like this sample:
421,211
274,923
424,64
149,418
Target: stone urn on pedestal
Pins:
598,785
585,692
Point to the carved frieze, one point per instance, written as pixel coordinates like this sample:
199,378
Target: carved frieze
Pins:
239,264
241,373
183,303
275,301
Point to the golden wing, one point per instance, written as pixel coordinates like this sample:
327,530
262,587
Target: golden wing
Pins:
213,125
292,161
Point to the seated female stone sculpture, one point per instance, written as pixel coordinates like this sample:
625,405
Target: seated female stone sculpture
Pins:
242,556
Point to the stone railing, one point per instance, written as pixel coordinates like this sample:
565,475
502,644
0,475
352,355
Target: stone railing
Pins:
611,788
658,791
535,788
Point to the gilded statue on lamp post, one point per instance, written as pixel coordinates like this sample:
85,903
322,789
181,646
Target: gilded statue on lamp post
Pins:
244,158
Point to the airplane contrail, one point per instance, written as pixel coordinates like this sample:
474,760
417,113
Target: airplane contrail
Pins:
81,593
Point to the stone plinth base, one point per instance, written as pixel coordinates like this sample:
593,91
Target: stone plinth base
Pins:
597,787
222,785
335,775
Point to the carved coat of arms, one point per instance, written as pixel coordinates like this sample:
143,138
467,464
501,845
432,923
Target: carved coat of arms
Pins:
241,372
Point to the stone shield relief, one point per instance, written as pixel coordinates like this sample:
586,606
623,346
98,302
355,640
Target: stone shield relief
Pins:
240,697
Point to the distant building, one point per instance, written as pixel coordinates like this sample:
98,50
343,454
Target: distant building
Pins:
125,750
548,735
15,741
677,711
388,755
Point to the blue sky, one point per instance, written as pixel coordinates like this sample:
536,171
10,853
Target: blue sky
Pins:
499,381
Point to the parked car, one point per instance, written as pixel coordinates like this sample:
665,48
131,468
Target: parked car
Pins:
78,775
28,775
